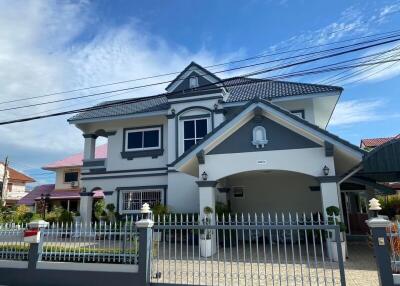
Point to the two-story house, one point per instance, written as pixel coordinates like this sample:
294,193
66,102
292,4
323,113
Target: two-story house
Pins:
254,145
14,185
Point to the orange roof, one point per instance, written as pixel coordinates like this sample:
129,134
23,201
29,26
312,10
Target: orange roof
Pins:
374,142
18,176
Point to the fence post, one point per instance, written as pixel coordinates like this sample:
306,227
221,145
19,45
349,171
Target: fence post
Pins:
378,227
145,242
34,235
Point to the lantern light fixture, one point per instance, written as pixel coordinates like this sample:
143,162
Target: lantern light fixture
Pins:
326,170
204,176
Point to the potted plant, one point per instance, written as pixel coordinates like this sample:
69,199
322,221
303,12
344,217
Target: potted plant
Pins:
207,243
159,211
333,213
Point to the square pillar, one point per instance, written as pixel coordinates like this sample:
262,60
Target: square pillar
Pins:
329,194
206,195
85,207
89,147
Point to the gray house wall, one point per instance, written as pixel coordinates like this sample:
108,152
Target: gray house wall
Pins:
278,136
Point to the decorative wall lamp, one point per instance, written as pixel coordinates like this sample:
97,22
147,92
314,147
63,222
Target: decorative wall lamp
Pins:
204,176
374,206
326,170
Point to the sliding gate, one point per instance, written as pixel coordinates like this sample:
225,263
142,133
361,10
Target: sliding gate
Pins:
246,250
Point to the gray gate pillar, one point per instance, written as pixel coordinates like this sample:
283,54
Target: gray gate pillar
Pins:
145,242
378,227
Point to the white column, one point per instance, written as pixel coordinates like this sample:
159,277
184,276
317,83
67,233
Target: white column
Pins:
206,196
85,207
90,147
330,195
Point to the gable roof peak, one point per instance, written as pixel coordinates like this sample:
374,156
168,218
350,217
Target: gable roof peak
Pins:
203,72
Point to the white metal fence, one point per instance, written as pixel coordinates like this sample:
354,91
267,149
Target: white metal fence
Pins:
95,243
12,245
246,250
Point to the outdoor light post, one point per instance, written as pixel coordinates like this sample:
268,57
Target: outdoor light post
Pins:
374,206
378,225
44,200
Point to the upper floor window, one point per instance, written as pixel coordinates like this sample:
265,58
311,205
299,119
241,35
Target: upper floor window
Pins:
143,139
71,176
193,131
193,82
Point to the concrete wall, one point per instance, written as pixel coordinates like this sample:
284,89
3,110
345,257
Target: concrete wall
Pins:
275,192
306,105
60,184
183,193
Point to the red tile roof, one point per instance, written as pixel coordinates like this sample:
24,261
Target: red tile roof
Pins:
18,176
374,142
76,160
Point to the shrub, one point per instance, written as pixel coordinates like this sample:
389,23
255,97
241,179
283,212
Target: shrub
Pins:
99,210
22,214
66,217
390,206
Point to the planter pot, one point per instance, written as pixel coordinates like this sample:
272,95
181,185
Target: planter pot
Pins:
396,279
332,250
206,247
157,236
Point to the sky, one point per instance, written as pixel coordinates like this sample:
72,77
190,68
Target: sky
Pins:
52,46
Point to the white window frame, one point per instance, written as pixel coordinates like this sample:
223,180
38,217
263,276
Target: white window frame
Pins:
142,130
140,191
195,135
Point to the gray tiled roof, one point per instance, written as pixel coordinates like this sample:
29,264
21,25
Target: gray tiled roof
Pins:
120,107
240,89
244,89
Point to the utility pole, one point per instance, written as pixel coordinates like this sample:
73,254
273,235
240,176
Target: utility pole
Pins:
3,183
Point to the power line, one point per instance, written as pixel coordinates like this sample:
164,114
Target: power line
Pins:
227,85
210,66
388,40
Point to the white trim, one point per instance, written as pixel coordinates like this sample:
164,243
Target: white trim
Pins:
283,117
101,267
193,68
142,130
13,264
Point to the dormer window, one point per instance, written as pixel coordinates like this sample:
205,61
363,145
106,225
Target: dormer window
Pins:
194,82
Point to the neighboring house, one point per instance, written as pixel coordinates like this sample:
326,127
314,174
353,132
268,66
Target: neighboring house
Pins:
66,190
371,143
14,187
254,145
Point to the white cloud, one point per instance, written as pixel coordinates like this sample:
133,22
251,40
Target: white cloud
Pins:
40,55
356,111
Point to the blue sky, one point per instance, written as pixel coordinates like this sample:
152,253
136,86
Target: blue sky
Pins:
72,44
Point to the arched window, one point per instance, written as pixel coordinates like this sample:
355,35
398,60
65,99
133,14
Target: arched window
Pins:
259,137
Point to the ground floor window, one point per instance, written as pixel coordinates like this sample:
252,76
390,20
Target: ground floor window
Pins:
134,200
